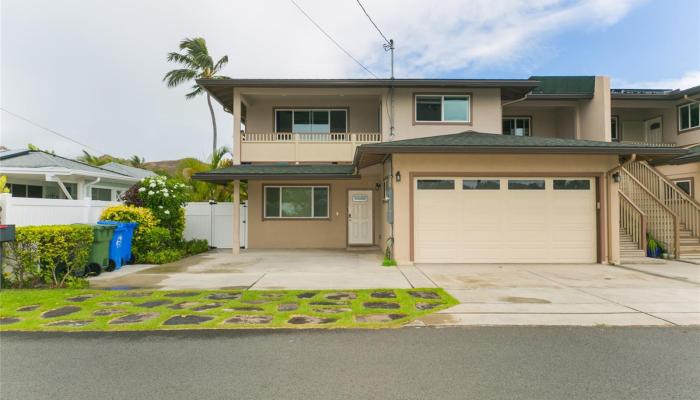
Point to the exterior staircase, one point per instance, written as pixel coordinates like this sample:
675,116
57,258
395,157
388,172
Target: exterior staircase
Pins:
651,204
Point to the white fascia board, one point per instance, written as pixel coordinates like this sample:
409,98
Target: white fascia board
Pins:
66,172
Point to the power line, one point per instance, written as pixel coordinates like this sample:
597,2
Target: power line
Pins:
332,40
372,21
52,131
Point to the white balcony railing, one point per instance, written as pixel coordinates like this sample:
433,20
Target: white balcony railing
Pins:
303,147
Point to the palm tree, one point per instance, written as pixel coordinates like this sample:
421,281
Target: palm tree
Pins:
88,158
203,191
137,161
197,64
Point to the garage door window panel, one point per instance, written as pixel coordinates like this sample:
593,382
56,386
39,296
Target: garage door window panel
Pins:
526,184
572,184
436,184
481,184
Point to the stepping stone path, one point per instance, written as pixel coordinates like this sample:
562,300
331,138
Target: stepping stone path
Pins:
28,308
182,294
426,306
136,294
205,307
187,320
379,317
224,296
424,295
307,295
61,311
249,319
115,303
381,304
341,296
272,296
329,303
329,310
307,319
9,320
107,311
245,308
384,295
154,303
287,307
133,318
183,305
74,323
255,301
80,299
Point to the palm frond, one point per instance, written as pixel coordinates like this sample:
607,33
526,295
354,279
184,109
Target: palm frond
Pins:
181,59
220,64
196,91
177,76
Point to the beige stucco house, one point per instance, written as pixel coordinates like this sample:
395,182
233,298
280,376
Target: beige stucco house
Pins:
539,170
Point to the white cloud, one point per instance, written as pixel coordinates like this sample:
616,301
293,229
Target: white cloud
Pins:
687,80
92,69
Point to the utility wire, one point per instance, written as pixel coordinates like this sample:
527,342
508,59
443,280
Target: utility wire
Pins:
51,131
332,40
372,21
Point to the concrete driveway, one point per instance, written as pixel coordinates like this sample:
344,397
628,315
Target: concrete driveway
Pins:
666,294
549,294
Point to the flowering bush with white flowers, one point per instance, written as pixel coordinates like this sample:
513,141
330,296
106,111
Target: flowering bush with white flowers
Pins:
166,199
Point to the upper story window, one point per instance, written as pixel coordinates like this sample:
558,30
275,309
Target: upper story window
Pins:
517,126
689,116
311,121
614,128
443,108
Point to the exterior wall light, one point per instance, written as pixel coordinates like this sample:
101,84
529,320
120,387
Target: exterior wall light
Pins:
398,176
616,177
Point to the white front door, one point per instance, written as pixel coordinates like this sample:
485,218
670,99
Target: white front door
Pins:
359,217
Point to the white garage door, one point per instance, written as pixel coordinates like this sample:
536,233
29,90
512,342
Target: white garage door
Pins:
504,220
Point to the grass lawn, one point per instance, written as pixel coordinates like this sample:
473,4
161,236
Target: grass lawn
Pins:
95,310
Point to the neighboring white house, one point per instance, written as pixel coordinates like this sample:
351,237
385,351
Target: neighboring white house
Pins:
38,174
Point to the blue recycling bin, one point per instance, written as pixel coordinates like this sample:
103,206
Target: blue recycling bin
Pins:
120,246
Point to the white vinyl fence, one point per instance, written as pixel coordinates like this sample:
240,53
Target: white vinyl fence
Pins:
214,222
22,211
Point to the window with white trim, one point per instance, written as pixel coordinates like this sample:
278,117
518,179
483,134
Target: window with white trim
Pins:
102,194
614,128
443,108
311,121
685,185
290,202
689,116
517,126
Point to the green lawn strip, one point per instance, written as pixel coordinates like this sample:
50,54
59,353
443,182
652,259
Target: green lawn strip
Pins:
268,301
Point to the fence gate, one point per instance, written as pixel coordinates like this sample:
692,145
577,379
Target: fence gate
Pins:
214,223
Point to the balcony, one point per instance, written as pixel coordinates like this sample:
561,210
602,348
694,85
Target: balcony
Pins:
303,147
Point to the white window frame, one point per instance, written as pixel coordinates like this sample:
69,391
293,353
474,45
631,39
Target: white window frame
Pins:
690,186
615,136
442,108
690,126
328,110
515,119
313,210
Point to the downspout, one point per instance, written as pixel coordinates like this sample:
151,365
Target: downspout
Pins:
89,185
608,176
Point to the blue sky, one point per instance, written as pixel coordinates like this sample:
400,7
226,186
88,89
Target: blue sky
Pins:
92,69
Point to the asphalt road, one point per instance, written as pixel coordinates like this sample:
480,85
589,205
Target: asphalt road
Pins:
412,363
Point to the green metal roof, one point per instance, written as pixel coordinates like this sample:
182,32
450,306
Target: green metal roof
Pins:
557,85
279,171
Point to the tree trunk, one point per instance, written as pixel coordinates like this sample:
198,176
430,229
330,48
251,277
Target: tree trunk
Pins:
213,124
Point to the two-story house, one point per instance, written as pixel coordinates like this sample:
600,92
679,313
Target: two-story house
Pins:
546,169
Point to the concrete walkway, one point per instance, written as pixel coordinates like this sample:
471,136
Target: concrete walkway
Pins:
549,294
586,295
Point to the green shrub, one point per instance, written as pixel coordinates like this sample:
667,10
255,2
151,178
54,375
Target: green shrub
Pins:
142,216
162,256
156,238
50,254
166,199
195,246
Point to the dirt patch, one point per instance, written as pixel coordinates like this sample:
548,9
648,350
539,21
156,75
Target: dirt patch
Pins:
525,300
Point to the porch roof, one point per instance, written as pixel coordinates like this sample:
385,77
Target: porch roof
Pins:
279,171
478,142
